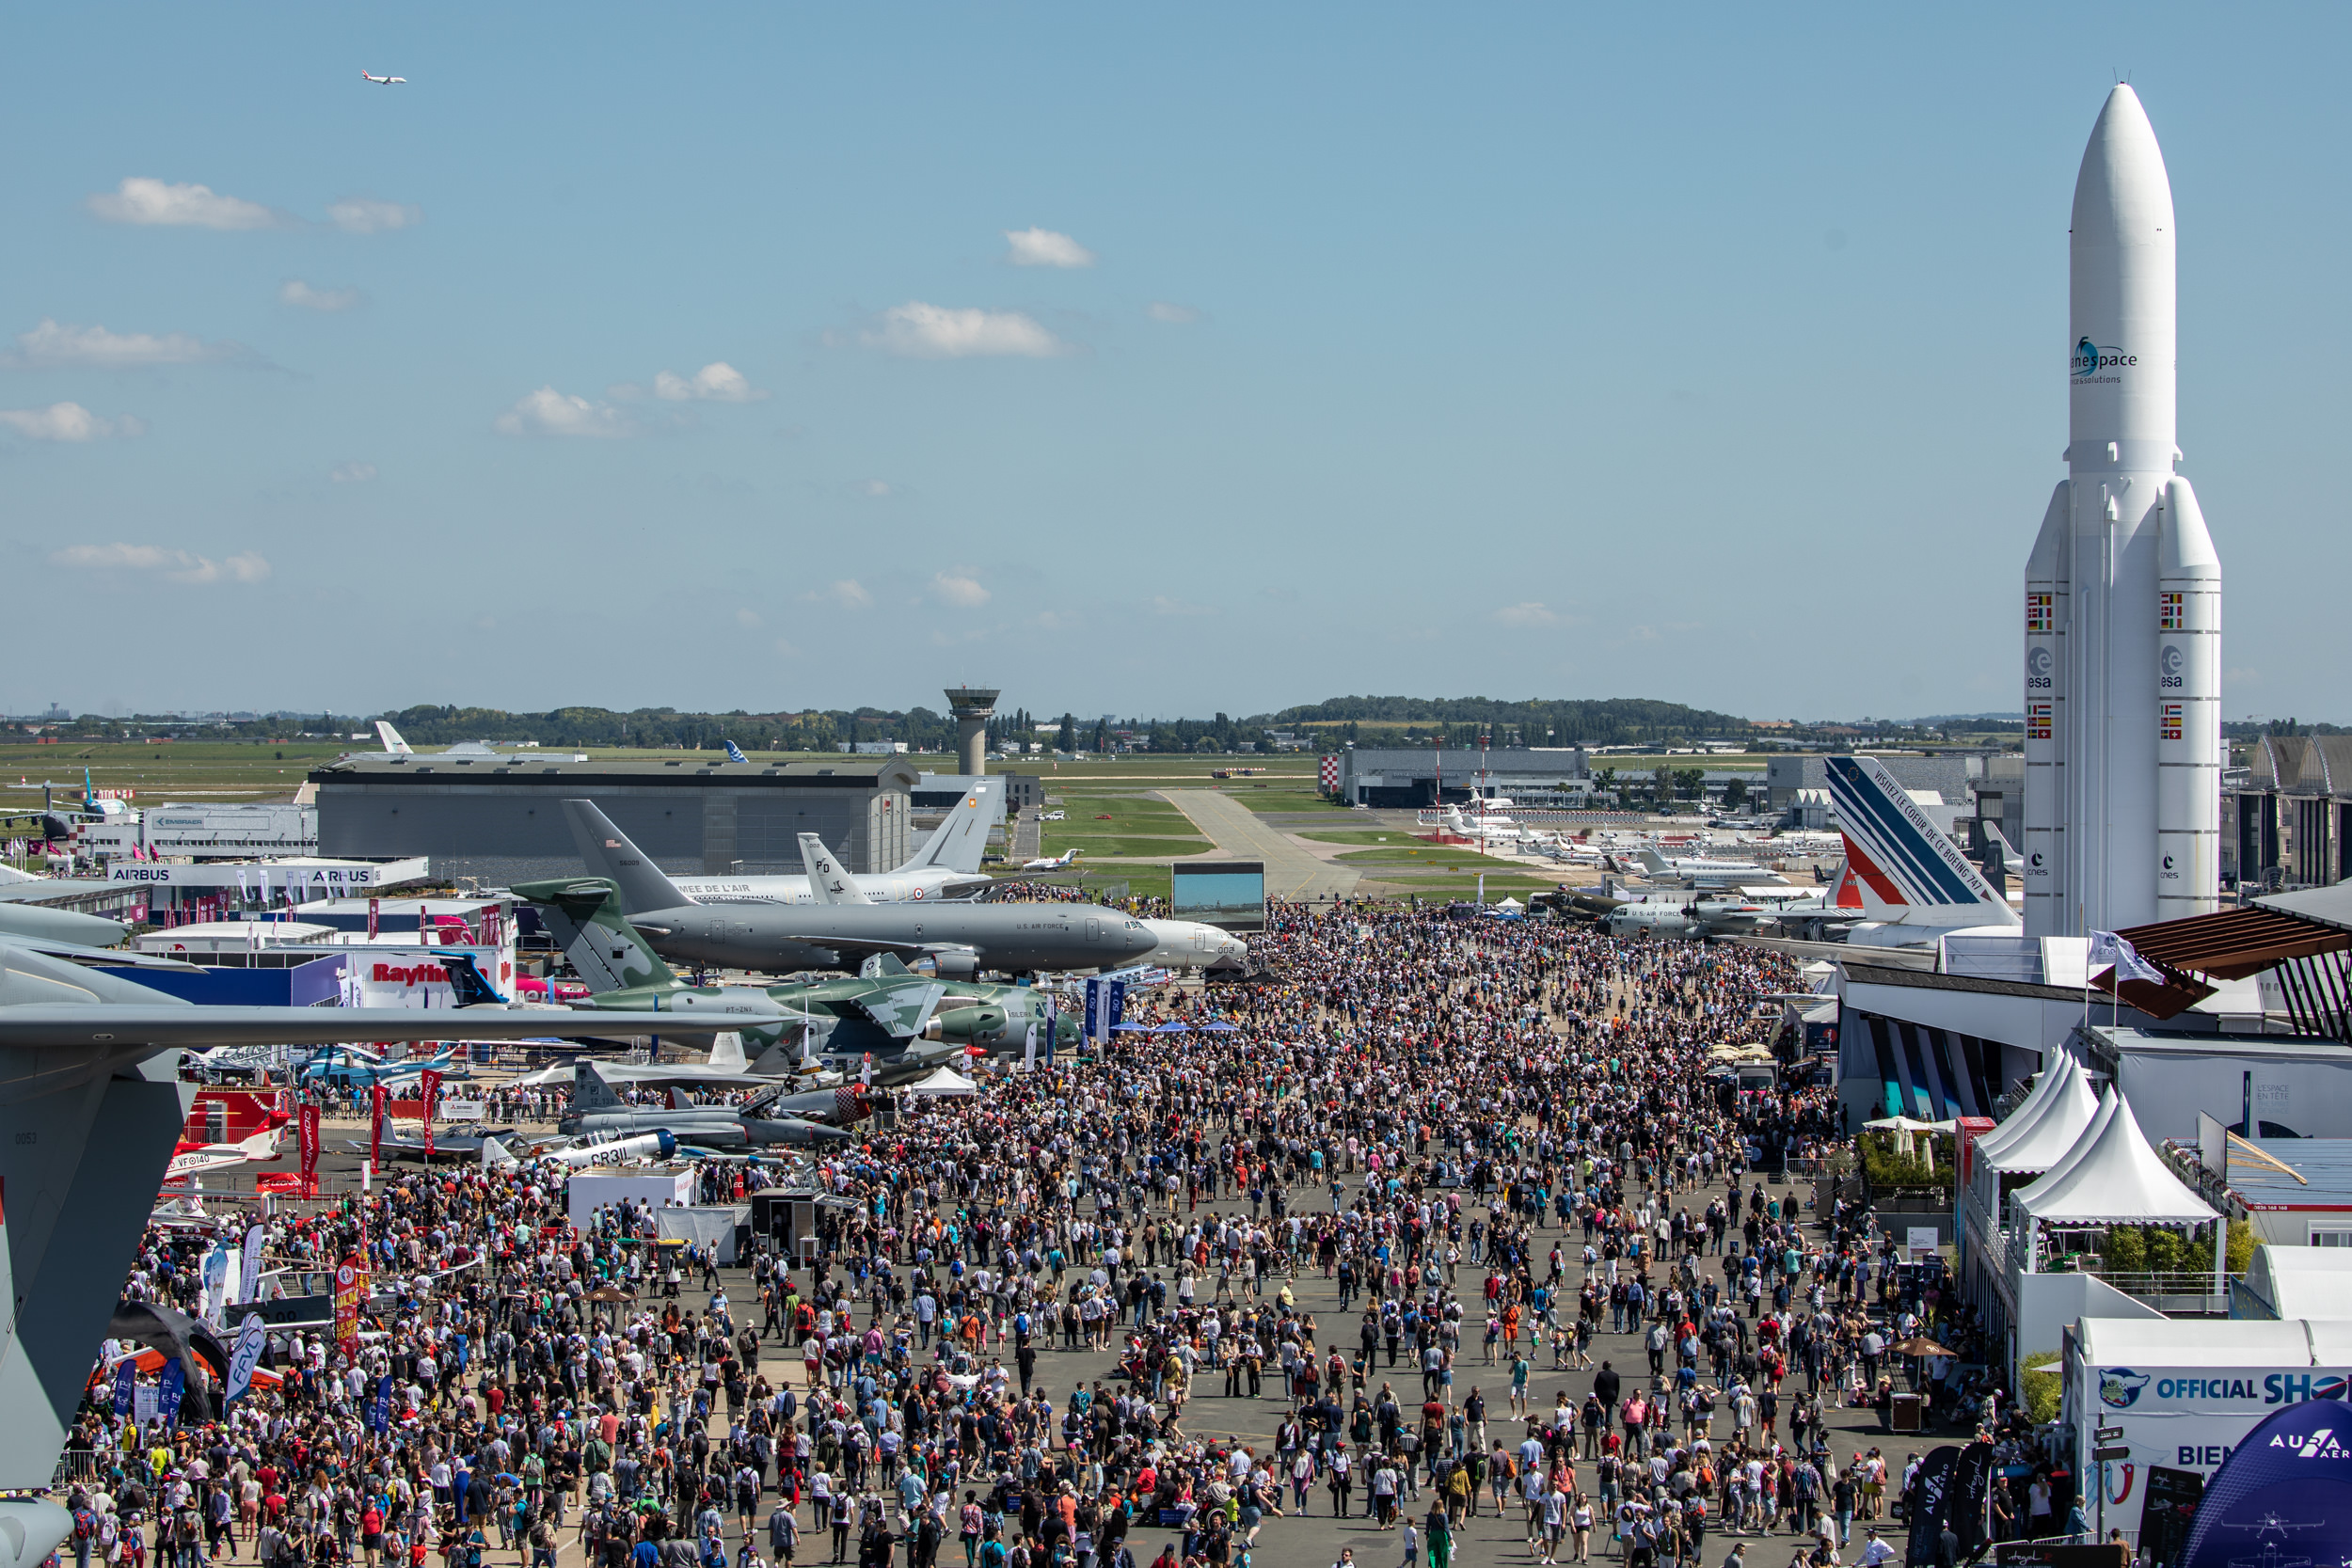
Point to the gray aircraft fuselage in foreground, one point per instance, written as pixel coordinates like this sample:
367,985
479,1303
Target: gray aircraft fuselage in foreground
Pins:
960,938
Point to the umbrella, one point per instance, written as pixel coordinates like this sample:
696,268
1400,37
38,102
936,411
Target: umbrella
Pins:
1172,1027
1131,1028
1919,1344
1220,1025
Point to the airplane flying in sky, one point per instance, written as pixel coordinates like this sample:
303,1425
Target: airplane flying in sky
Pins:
381,80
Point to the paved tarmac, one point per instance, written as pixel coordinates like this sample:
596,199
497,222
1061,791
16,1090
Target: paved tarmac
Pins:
1292,873
1315,1539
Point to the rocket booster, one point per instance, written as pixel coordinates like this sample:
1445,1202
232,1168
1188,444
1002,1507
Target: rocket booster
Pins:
2122,587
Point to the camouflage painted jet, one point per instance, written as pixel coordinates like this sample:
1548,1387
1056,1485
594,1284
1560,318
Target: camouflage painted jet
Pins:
885,1013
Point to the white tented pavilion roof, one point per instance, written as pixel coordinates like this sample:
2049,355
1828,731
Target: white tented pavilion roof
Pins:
946,1081
2112,1178
2060,1127
2047,1124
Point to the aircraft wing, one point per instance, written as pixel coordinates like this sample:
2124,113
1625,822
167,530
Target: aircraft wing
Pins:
901,1010
197,1028
106,955
685,1076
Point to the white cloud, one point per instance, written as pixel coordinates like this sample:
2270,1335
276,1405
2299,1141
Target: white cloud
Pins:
65,421
849,593
1042,248
50,345
717,381
875,487
362,216
548,412
747,617
151,202
295,292
784,647
176,565
1173,314
352,473
918,331
1529,614
958,586
1163,605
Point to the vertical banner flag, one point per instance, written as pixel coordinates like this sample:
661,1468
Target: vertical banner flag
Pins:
175,1389
431,1081
380,1407
377,1095
243,1360
374,906
251,1288
217,1263
144,1402
1028,1049
126,1380
351,1289
307,1139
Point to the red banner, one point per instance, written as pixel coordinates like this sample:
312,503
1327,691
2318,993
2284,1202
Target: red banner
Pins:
376,1133
307,1130
431,1079
351,1290
372,909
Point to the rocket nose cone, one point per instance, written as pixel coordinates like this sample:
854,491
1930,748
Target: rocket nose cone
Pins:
2122,194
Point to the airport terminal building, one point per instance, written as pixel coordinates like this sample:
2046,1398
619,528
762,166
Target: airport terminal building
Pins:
502,818
1421,776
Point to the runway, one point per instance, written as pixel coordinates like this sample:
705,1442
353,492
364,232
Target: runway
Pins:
1292,874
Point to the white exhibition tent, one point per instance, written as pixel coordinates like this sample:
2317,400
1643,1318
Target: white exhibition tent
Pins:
2036,1134
2112,1178
946,1081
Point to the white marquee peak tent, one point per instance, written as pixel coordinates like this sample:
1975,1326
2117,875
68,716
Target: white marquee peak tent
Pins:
946,1081
2112,1177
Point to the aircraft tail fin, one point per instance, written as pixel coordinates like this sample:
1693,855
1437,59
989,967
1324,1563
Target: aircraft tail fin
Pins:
590,1092
495,1152
467,979
881,966
956,844
1653,861
609,852
1906,868
826,877
583,914
735,753
392,742
726,1052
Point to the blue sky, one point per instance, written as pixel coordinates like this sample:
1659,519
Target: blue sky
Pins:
1130,358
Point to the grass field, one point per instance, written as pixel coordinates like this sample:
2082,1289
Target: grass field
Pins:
1133,849
1434,854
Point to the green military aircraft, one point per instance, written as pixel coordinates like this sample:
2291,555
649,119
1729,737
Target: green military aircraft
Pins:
902,1024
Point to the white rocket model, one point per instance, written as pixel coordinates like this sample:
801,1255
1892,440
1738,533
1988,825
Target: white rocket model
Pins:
2122,590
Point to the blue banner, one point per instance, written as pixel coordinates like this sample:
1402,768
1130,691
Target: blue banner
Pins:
126,1378
380,1407
175,1389
2282,1495
243,1360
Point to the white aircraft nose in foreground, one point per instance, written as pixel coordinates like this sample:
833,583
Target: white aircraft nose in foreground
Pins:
381,80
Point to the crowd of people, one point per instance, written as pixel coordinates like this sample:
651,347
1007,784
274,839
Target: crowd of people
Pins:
1380,1228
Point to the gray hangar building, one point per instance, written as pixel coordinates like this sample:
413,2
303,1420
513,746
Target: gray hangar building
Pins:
501,817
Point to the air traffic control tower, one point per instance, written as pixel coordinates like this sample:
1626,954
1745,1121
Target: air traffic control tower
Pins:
974,707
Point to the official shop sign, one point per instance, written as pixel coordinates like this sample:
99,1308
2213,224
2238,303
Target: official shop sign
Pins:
2121,1388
